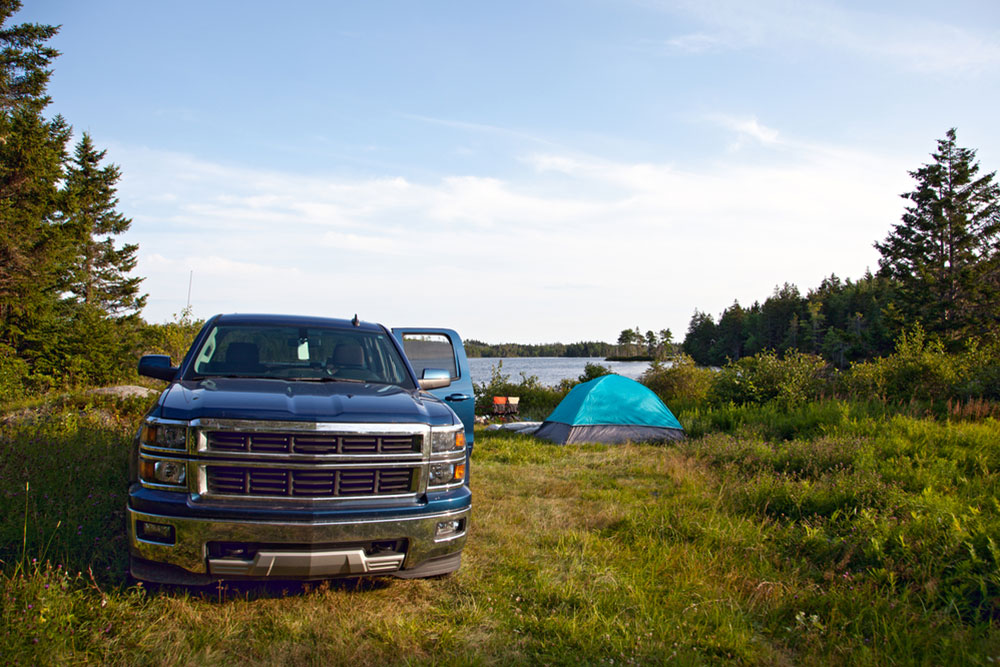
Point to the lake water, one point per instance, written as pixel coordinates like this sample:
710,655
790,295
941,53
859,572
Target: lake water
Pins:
550,370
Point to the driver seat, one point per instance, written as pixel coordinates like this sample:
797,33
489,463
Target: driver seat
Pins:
348,361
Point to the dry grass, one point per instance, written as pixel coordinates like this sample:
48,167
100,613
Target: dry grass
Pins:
582,554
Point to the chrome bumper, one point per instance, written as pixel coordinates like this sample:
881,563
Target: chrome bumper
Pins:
192,536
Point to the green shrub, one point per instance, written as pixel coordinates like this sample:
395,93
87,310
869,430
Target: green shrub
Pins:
682,383
13,373
173,338
594,371
979,374
536,402
766,377
919,369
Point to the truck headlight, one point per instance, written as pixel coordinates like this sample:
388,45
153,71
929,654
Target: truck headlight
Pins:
448,439
169,436
163,472
441,473
446,473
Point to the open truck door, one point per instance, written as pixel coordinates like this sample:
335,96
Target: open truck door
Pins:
433,349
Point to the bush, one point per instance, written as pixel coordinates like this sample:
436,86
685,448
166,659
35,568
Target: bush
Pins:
537,400
979,374
13,373
919,369
172,338
594,371
682,382
766,377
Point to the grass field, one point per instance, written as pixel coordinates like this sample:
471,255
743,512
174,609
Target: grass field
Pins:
834,533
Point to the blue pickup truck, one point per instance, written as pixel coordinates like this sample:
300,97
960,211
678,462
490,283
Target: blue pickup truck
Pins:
290,447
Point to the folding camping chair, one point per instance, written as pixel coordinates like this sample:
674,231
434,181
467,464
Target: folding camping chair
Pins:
499,406
513,404
504,406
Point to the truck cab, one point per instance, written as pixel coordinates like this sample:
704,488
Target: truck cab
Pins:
289,447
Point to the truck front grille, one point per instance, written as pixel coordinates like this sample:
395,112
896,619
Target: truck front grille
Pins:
310,482
312,444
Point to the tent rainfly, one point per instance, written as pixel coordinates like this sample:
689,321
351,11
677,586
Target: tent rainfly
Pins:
610,409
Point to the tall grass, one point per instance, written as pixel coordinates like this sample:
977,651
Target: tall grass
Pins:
834,532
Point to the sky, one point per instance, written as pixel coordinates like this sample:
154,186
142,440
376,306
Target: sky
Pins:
520,171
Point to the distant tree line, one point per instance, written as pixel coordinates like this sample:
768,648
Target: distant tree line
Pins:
632,343
939,271
841,320
476,348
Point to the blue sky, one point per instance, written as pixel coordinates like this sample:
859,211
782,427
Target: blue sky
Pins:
520,171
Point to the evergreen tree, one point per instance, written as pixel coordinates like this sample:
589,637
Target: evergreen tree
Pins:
729,336
650,343
665,343
945,253
32,150
700,337
779,318
97,275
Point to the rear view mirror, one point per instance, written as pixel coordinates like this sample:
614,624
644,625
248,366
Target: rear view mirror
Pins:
157,366
435,378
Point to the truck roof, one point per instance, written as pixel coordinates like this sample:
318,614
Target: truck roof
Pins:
293,320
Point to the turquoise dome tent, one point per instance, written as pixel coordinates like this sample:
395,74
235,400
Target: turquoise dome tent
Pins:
610,409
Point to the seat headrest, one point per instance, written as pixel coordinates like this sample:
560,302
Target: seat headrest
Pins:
348,354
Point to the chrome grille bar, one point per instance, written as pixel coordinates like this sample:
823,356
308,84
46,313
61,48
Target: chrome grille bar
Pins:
234,481
311,444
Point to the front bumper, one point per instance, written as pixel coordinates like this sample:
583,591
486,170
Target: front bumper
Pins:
293,549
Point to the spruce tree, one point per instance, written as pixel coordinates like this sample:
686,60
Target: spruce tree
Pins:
944,256
32,150
700,337
729,336
98,272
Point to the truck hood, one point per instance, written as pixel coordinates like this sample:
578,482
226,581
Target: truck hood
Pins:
269,399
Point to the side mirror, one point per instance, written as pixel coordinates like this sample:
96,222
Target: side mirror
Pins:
435,378
157,366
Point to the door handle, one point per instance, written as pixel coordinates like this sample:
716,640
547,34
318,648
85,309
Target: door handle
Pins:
457,397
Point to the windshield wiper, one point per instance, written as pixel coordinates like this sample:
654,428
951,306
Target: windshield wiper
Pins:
231,375
329,379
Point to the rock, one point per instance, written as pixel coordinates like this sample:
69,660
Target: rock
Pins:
125,390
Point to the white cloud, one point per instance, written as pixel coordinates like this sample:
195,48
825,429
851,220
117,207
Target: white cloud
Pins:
915,43
698,42
746,127
574,246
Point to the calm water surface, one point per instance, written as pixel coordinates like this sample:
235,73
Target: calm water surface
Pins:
550,370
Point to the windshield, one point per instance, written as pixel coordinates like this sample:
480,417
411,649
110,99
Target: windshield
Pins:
300,353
